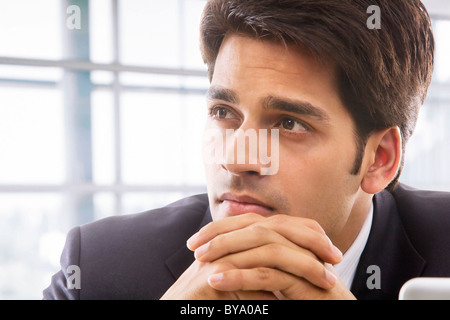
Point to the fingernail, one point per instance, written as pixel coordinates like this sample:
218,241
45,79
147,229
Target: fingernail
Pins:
191,241
336,252
331,278
214,278
200,251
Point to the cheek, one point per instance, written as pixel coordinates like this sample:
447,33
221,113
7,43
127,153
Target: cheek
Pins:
318,185
315,167
212,174
211,139
209,166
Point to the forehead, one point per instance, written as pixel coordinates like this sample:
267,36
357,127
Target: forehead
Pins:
255,69
291,60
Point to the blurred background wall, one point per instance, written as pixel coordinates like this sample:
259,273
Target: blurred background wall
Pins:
105,117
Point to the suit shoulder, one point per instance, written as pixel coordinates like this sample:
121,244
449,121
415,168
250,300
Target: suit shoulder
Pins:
185,213
151,235
124,256
425,204
425,216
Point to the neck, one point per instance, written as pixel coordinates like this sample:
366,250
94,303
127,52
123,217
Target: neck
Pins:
344,239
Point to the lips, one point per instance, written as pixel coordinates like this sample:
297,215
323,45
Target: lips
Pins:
236,205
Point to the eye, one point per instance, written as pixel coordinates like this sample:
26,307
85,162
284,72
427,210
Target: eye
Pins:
290,124
221,113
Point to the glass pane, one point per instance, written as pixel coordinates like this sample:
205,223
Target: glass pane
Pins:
31,29
194,112
442,34
192,58
151,80
32,235
104,205
30,73
102,77
31,136
152,130
196,83
149,32
427,153
103,136
101,27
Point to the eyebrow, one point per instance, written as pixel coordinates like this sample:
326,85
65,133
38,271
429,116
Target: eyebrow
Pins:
303,108
220,93
298,107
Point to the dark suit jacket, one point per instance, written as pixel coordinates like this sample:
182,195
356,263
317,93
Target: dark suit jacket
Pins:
140,256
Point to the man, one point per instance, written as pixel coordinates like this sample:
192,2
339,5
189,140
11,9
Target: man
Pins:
330,220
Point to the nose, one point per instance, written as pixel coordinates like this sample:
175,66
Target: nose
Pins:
242,169
241,152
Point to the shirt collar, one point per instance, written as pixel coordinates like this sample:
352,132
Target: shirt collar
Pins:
347,267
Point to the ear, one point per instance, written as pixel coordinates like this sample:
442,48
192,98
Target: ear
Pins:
383,155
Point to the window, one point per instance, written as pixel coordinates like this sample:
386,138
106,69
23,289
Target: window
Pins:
97,121
427,152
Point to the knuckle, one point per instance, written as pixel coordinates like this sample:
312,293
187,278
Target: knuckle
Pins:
274,249
279,219
263,274
317,270
312,267
258,230
217,242
311,255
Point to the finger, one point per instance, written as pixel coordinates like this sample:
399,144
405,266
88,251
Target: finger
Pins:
305,233
212,229
264,279
244,239
290,231
282,285
276,256
215,228
253,295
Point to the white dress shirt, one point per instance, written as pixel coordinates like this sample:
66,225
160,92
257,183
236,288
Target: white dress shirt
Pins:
347,267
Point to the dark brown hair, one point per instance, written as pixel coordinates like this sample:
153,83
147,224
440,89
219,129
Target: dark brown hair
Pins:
383,74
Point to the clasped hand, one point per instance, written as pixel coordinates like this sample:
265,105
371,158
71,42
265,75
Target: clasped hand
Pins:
253,257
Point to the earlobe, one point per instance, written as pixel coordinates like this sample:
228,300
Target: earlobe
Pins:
384,151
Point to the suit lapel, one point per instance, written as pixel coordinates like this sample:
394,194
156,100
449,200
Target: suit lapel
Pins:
182,258
388,248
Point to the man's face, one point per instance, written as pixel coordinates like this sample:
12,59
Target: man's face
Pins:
264,85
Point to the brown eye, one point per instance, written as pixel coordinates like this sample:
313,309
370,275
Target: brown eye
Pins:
290,124
221,113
